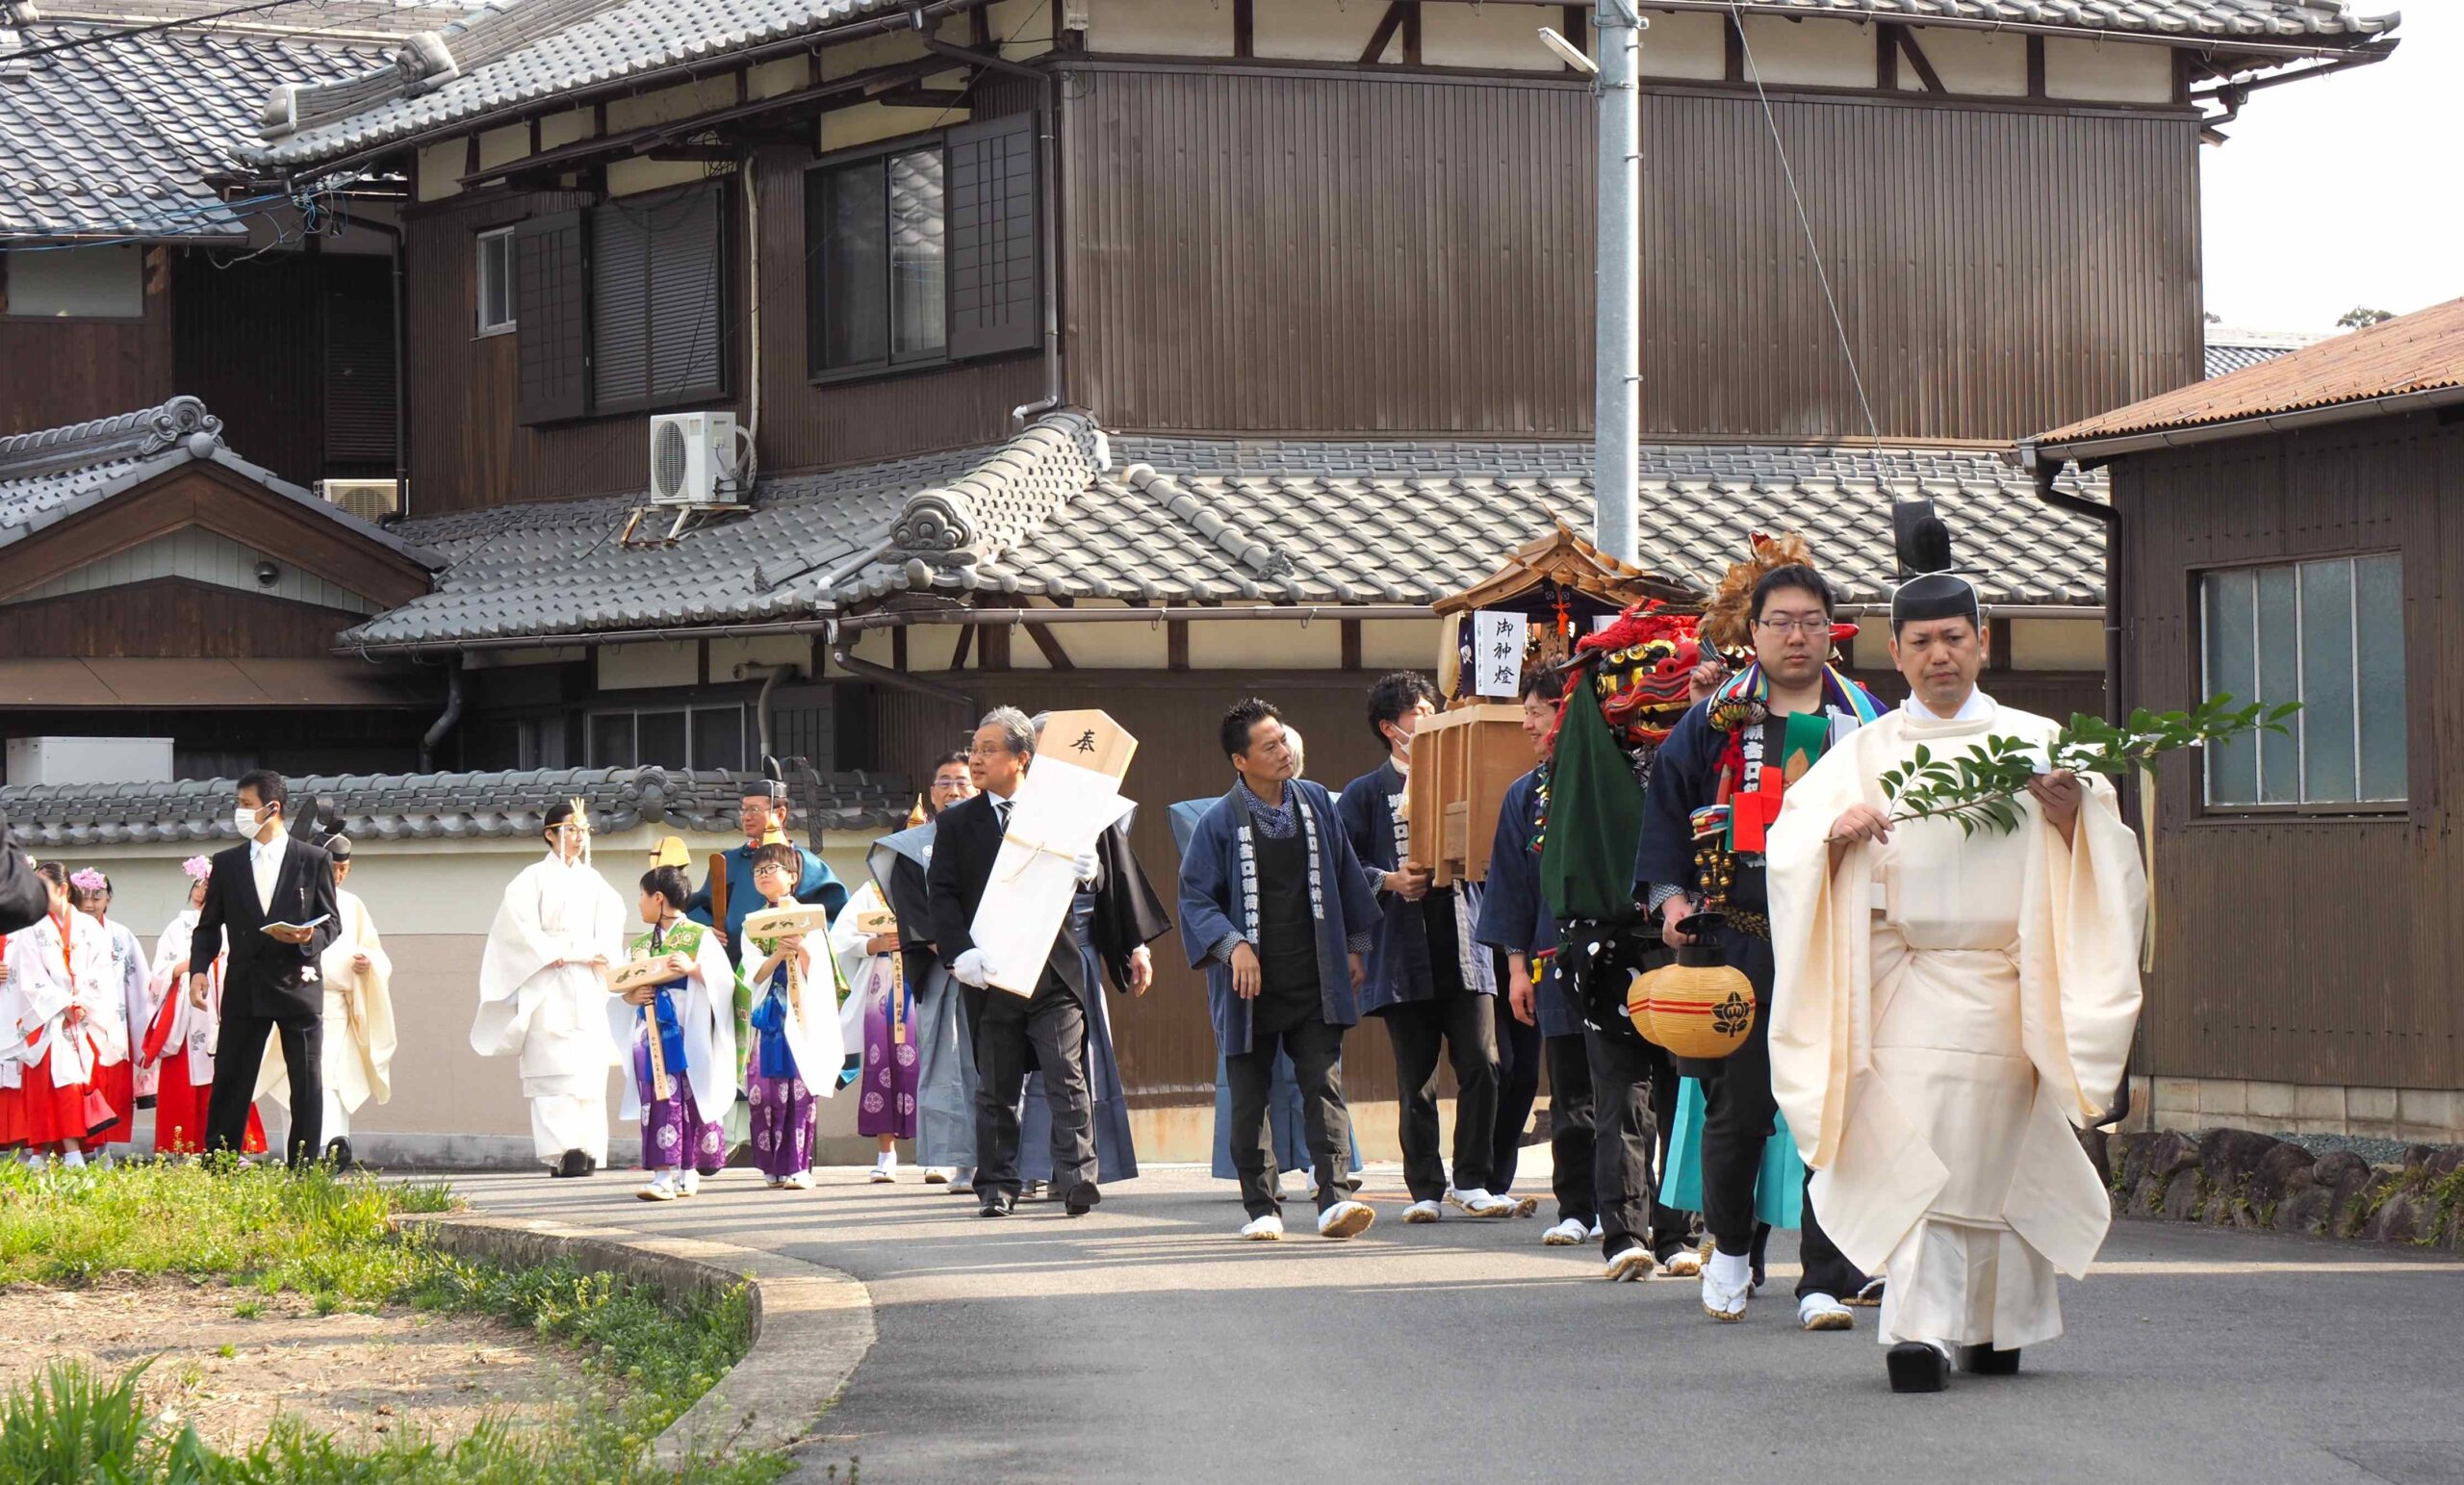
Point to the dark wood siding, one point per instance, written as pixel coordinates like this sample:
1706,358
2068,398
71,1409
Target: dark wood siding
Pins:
2310,950
171,617
1999,269
1166,1048
59,372
295,353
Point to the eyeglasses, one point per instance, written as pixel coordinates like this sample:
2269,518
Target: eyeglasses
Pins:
1813,625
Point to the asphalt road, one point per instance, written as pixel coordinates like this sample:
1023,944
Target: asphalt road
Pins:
1144,1344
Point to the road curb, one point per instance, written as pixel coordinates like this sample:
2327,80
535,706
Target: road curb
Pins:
812,1325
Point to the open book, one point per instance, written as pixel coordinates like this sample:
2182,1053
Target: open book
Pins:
319,921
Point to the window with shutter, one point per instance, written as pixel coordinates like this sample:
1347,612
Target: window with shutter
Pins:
992,244
657,275
554,313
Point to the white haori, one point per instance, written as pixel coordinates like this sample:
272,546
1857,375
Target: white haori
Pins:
554,1018
358,1057
706,1010
1945,1010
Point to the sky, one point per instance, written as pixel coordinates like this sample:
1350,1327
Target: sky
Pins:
2343,191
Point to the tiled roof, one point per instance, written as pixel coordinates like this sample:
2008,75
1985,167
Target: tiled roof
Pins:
55,473
116,138
2250,20
2230,351
512,54
431,806
2423,351
1329,521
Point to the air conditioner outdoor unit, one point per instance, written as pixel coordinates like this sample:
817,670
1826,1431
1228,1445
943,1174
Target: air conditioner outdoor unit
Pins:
369,499
694,460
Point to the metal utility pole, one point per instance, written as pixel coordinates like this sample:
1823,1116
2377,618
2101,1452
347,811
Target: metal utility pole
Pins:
1617,360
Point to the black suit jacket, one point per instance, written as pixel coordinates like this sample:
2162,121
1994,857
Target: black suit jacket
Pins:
24,898
965,842
267,978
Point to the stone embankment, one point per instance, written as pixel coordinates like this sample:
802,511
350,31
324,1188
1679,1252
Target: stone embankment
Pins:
2236,1178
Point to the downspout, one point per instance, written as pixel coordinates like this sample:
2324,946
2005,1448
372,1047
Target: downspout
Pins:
444,719
901,679
1048,166
770,676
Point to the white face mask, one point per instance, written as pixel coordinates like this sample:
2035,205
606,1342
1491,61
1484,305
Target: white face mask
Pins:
244,821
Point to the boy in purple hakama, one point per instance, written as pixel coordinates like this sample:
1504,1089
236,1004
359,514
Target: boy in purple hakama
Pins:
692,1016
796,1039
869,964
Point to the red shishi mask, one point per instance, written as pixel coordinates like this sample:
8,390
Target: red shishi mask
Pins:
1648,660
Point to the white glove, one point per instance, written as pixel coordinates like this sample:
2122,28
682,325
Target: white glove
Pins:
1087,865
970,969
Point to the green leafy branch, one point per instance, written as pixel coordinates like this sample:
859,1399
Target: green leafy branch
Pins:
1980,788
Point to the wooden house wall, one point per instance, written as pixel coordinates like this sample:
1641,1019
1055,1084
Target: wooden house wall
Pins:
2000,268
2297,949
59,372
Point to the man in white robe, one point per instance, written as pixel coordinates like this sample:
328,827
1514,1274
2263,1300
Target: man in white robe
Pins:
1948,1007
544,997
357,1054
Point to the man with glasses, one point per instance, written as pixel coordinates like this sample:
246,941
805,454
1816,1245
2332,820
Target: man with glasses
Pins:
764,804
1714,791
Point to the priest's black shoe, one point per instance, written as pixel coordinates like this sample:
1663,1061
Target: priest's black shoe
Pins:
338,1154
1083,1198
995,1206
1986,1361
574,1164
1917,1368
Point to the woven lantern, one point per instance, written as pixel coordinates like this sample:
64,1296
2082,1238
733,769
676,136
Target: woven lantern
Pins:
1701,1007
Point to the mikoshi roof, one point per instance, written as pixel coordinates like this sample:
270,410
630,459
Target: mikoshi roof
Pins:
1061,511
434,807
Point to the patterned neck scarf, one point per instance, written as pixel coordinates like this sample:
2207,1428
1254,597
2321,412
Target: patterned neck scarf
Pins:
1278,821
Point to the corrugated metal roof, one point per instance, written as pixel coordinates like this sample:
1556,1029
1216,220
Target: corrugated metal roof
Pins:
2418,352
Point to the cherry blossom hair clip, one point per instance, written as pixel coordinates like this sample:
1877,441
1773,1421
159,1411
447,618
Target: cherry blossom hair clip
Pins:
90,880
198,867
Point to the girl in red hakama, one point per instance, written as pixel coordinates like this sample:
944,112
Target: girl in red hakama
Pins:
65,1037
180,1038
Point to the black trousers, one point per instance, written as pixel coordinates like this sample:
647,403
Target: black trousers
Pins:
1047,1032
1459,1025
1739,1116
240,1051
1573,1148
1518,1089
1627,1077
1317,1051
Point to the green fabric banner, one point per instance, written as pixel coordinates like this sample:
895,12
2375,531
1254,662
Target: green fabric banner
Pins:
1594,816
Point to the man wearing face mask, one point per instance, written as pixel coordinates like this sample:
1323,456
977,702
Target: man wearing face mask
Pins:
275,897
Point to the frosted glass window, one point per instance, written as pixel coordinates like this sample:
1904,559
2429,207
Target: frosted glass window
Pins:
103,282
2329,635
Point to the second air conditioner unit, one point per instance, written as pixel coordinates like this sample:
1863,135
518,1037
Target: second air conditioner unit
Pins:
694,460
369,499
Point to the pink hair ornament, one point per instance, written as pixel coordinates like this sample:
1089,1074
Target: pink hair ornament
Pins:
198,867
88,880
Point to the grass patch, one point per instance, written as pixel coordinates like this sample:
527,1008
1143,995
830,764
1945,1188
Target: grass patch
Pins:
332,1240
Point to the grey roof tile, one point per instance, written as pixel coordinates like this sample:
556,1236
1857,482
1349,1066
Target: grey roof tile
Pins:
53,474
511,55
116,138
2230,351
433,806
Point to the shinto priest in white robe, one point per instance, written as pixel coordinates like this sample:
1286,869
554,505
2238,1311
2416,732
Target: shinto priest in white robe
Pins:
1946,1009
555,1018
358,1057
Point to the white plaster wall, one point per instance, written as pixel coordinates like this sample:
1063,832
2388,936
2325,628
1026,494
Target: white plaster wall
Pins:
439,169
1826,54
1163,28
622,667
1023,27
1493,37
633,177
870,123
1318,30
1282,645
1400,644
2056,644
784,76
566,128
669,104
504,146
1983,63
1109,645
2108,71
726,654
1684,44
1870,650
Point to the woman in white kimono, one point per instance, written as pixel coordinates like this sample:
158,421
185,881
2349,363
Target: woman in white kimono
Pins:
358,1046
543,992
1948,1007
122,1083
66,1026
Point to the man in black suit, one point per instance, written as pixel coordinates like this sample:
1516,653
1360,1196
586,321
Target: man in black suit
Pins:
24,899
1050,1027
272,985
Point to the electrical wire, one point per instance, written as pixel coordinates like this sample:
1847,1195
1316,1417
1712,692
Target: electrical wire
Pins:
1839,326
182,23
